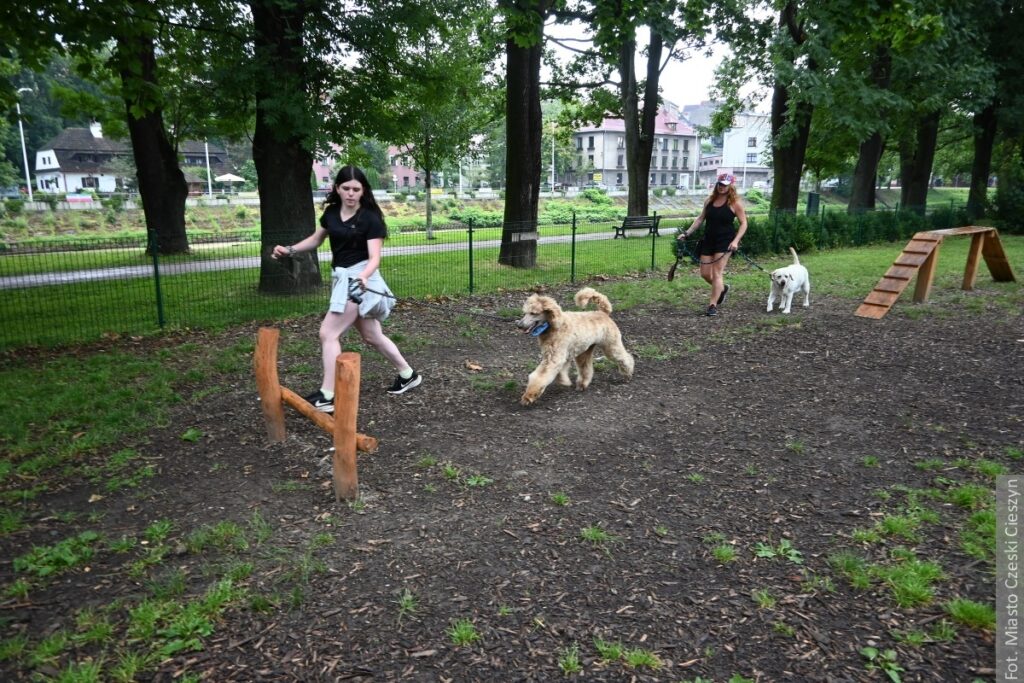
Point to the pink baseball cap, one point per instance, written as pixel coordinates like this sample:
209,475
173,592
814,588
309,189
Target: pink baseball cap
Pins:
726,179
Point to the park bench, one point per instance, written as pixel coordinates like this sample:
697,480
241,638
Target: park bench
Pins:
649,224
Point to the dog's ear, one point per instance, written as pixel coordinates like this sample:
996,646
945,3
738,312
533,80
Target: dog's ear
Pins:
550,307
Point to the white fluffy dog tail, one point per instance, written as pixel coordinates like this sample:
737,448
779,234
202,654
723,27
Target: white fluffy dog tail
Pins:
588,294
796,259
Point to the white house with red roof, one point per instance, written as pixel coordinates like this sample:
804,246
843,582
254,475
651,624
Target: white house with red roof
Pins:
82,159
601,152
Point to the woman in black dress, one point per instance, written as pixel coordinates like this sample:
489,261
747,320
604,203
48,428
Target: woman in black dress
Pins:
721,236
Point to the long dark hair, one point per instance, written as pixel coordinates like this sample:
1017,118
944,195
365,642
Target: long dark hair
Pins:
366,201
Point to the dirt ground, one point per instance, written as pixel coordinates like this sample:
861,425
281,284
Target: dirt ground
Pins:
743,429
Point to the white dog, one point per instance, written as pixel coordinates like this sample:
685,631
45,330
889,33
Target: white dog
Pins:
788,281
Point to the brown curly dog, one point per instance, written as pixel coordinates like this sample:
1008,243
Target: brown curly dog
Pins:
571,336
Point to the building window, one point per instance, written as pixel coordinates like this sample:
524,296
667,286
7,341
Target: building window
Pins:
664,145
686,145
620,142
620,164
91,182
752,158
751,142
675,162
590,142
674,179
654,179
675,144
618,178
579,142
664,162
686,160
664,179
590,159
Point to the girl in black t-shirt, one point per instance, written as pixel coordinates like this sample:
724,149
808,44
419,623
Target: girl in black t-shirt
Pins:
354,223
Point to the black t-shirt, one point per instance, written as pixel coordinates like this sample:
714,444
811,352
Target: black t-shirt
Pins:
349,238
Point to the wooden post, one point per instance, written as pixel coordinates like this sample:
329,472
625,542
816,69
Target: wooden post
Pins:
346,407
265,365
973,259
926,274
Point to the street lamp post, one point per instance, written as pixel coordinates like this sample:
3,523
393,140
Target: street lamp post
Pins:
552,158
209,179
24,152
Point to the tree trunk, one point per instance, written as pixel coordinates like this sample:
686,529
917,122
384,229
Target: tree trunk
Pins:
522,134
283,164
862,187
790,132
981,167
428,181
790,148
639,124
916,167
862,191
162,185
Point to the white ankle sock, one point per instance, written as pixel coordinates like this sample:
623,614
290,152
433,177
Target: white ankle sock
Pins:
405,374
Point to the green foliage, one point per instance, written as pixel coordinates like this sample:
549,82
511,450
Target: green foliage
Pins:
597,196
44,561
1009,200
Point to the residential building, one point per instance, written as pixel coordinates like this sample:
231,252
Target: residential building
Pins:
82,159
744,153
601,153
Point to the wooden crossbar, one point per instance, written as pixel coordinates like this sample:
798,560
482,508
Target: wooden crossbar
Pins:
342,426
920,257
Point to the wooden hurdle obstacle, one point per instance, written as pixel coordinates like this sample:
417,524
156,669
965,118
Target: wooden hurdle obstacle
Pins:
919,258
342,426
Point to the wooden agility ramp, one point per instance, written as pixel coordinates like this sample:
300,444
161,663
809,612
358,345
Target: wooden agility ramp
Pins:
920,257
341,426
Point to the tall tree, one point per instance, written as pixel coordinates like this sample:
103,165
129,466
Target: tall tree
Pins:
281,151
524,22
615,85
131,42
445,99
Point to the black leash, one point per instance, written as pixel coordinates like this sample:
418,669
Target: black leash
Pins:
683,251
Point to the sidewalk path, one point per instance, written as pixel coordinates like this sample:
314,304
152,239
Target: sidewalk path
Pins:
170,269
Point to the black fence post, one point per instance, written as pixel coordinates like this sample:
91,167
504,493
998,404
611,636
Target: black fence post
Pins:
469,230
572,251
654,240
153,243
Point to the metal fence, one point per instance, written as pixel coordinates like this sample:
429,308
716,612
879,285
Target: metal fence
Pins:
69,291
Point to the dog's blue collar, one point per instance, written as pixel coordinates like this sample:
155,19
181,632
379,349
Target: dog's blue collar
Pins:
539,330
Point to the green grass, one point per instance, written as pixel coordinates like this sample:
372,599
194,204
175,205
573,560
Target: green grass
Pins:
972,614
463,632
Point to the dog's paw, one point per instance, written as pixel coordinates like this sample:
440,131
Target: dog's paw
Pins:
527,399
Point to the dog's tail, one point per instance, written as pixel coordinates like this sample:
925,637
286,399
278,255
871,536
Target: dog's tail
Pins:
796,259
588,294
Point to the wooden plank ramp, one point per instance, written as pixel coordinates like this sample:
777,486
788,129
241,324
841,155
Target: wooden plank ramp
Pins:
918,259
918,251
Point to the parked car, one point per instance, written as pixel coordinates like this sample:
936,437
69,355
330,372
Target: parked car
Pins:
11,192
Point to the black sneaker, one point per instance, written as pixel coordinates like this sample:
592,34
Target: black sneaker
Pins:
400,386
712,310
320,403
723,296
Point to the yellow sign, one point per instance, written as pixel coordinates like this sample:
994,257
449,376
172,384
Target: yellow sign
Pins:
598,177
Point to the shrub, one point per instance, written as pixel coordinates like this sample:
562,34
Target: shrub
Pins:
114,202
1009,201
15,206
596,195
